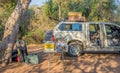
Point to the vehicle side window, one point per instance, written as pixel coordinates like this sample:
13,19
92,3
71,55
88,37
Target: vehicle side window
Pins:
92,28
65,27
108,29
71,27
77,27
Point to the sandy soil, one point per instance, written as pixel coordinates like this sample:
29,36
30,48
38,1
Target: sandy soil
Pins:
88,63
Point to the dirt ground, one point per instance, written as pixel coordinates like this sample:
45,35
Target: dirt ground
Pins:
88,63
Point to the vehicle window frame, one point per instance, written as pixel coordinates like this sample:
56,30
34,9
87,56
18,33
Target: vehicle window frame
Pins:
110,25
95,27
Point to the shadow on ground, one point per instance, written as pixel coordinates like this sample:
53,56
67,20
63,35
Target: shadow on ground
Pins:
88,63
93,63
24,68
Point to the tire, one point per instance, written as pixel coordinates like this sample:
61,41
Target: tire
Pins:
74,49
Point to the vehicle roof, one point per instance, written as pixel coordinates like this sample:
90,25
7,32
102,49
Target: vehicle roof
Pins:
93,23
88,22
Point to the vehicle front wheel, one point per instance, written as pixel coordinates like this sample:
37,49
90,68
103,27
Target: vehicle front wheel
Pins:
74,49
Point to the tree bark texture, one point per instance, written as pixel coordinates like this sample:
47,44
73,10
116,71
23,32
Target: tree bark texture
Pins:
59,10
11,30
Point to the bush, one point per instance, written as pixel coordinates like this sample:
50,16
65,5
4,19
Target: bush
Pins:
35,37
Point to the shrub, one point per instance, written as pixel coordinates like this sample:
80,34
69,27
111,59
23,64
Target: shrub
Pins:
35,37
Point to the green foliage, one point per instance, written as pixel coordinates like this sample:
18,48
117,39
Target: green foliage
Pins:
33,24
50,9
38,19
93,10
118,14
35,36
6,8
25,22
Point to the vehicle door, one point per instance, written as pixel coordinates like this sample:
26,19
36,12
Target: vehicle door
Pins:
112,33
95,36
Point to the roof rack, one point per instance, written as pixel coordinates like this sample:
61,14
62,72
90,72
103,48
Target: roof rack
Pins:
76,17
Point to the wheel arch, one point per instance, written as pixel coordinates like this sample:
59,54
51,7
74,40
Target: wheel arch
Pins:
79,41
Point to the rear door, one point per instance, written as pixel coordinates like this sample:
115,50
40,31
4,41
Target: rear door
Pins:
112,33
95,37
94,34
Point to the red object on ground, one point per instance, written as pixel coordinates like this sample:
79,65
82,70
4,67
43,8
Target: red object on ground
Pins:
18,58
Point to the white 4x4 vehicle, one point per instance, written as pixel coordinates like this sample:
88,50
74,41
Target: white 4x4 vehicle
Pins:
86,37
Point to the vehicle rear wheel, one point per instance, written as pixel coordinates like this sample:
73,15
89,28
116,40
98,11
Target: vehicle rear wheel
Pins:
74,49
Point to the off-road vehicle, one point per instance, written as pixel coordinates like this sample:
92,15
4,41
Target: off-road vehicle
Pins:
87,37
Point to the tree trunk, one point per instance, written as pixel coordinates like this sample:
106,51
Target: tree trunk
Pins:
59,12
11,30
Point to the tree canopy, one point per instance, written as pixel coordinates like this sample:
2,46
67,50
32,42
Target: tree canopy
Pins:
48,15
6,8
93,10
